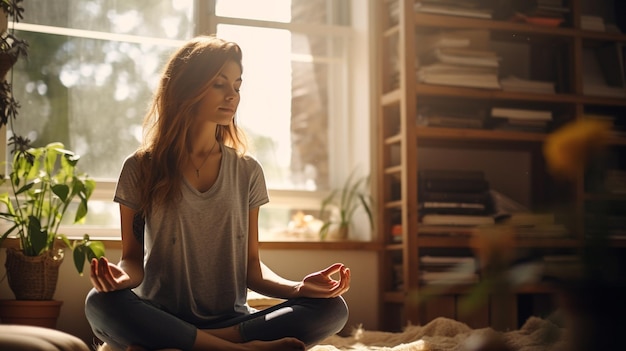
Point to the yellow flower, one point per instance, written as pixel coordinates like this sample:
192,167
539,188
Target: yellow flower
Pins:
568,149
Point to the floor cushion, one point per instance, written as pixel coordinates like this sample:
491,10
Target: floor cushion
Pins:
30,338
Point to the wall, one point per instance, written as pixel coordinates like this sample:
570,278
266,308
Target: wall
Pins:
362,297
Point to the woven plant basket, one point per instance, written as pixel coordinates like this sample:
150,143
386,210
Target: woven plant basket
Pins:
33,277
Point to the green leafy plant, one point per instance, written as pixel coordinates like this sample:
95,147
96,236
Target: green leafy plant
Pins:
44,182
339,207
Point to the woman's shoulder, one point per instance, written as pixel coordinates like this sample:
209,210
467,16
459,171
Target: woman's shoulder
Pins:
134,160
246,158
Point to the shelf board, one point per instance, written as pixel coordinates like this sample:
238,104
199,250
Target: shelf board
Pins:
391,97
433,90
451,22
393,170
394,139
394,204
394,247
495,94
601,100
462,289
604,197
391,31
444,241
320,245
459,134
439,21
466,242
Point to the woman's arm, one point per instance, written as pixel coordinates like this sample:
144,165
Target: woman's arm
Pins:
265,281
128,273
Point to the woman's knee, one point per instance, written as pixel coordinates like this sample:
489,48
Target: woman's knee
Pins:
337,309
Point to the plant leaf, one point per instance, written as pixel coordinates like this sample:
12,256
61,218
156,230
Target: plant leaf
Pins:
38,237
79,258
62,191
95,249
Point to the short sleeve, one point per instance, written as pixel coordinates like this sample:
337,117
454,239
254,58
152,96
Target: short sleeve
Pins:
258,189
127,191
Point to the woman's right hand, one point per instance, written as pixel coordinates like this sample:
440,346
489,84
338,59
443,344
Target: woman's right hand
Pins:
106,276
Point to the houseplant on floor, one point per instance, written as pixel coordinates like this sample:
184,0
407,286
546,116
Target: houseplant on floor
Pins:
42,184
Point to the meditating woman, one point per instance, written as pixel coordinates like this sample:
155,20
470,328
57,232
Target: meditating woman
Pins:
189,202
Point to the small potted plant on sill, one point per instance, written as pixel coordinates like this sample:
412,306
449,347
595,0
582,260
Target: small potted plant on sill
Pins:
340,206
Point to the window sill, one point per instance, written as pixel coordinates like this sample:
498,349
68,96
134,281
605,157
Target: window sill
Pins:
116,244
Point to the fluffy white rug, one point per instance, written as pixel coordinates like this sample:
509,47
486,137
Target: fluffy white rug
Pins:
443,334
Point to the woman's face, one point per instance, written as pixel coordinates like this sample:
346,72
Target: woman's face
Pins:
220,102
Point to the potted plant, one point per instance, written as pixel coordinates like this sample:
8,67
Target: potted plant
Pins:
42,184
340,206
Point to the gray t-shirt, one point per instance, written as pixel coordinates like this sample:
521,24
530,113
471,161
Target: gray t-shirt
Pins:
196,249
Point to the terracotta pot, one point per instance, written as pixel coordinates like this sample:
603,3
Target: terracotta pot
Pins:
36,313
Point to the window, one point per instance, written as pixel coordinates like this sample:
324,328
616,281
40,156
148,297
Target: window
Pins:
93,65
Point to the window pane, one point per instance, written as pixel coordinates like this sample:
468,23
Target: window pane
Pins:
285,104
295,11
89,94
170,19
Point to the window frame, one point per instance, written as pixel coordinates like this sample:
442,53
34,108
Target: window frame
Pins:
348,146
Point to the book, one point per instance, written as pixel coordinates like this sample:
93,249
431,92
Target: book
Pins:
445,230
479,197
454,185
462,57
530,218
429,259
513,83
521,113
453,10
450,174
450,122
452,208
456,75
460,220
443,39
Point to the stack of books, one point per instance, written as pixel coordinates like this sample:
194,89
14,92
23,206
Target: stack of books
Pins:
464,8
454,198
448,270
517,119
458,58
451,115
544,13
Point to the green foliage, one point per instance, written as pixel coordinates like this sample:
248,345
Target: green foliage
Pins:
346,201
44,182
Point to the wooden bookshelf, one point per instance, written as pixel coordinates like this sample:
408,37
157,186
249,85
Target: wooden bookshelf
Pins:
553,53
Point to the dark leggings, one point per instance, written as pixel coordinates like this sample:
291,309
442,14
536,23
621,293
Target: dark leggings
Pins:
121,318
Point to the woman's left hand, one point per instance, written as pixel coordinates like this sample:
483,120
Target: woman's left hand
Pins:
322,285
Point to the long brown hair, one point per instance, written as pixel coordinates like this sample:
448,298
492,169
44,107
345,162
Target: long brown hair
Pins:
185,80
